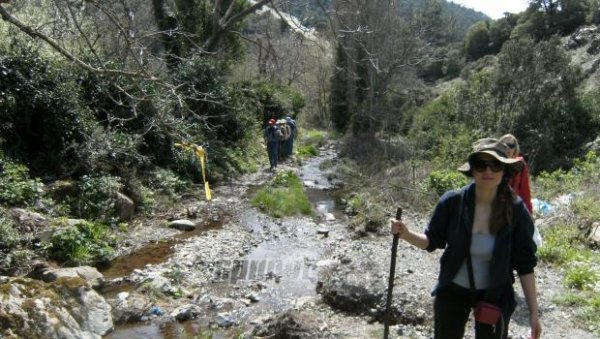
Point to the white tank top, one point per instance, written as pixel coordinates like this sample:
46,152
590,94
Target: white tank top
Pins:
482,247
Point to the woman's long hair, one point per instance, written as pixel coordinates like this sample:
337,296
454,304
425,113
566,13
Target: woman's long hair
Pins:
502,207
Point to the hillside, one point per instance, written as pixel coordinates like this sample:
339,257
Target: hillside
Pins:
312,13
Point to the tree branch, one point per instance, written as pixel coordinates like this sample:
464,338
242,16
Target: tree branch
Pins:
34,33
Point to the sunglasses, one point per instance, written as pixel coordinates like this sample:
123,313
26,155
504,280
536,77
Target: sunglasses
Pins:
511,145
480,165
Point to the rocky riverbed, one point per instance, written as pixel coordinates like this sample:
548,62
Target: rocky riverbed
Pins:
236,272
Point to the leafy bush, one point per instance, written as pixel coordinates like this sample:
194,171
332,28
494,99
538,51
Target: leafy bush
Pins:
313,137
477,41
9,237
41,112
560,244
283,196
581,277
307,151
85,243
368,214
97,197
585,173
442,181
17,262
166,182
276,100
16,187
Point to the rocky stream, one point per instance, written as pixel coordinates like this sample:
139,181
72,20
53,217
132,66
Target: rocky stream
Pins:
223,269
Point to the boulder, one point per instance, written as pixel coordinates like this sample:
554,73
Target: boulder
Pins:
65,308
28,222
89,274
125,207
183,225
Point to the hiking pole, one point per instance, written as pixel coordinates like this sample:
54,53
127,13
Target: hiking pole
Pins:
388,303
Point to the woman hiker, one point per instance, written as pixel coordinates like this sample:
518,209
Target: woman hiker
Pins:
486,233
520,180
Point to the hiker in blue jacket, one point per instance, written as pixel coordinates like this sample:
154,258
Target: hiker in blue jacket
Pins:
272,138
487,233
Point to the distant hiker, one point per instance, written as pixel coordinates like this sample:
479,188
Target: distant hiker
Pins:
289,146
520,180
285,135
272,139
486,233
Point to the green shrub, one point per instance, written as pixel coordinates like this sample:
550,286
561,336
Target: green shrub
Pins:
97,197
316,138
16,262
283,196
559,244
368,214
9,237
167,182
276,100
16,188
581,277
584,175
85,243
306,151
42,116
442,181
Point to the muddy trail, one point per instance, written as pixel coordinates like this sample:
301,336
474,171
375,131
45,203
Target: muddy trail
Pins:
242,274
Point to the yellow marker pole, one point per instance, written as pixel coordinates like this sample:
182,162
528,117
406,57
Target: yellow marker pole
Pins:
202,157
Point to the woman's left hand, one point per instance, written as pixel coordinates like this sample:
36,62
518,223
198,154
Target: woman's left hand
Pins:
536,327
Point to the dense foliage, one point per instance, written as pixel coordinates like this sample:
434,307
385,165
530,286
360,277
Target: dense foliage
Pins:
531,92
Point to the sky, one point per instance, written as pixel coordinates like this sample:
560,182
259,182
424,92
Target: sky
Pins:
494,8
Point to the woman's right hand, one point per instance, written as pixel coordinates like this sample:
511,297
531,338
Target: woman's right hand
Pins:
399,228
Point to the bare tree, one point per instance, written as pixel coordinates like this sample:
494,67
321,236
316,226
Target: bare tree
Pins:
375,48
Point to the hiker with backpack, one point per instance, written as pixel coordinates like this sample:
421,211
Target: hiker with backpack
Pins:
289,145
272,137
285,136
487,233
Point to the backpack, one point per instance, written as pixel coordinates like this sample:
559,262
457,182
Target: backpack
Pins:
286,131
278,134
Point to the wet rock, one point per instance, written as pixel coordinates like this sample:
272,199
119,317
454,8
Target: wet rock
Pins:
253,297
224,320
186,312
309,184
291,325
323,231
329,217
131,309
183,225
89,274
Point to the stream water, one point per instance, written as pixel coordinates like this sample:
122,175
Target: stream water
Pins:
281,270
